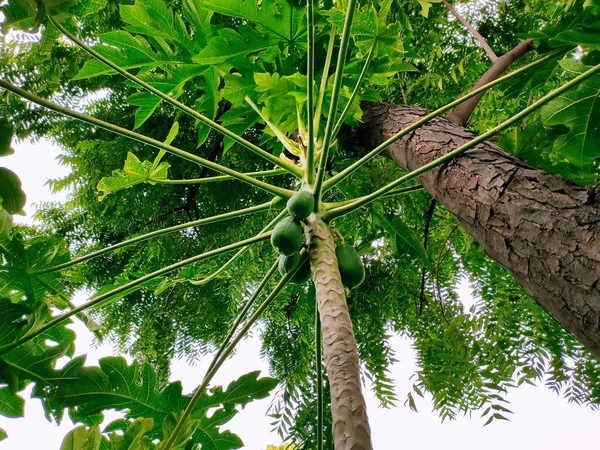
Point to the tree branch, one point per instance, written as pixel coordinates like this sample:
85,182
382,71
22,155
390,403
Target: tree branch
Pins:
478,37
461,115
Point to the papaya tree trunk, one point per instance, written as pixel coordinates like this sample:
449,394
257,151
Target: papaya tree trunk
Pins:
351,429
543,229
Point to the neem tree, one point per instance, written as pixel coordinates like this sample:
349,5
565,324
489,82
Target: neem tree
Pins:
290,76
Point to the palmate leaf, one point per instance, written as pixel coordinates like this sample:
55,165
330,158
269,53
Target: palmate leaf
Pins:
425,5
33,361
22,257
88,391
279,17
134,172
152,18
172,83
82,438
229,44
11,405
370,28
575,115
19,14
128,52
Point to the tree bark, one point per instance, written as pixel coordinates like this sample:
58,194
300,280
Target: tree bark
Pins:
543,229
351,429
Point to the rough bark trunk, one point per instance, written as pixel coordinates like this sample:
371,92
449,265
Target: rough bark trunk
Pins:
351,429
543,229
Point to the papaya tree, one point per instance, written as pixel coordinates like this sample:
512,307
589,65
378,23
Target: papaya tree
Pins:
287,91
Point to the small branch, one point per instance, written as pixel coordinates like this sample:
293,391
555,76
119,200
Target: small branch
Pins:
478,37
428,217
440,258
461,115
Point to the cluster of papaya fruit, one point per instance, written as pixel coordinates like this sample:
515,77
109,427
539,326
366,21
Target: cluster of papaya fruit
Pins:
288,238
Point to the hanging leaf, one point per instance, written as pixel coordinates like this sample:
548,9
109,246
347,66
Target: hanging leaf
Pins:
134,172
128,52
575,116
6,134
425,5
82,438
11,405
279,17
11,195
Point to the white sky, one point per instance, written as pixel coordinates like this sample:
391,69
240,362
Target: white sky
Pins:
542,420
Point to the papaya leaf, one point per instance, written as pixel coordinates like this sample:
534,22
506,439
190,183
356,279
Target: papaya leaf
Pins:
230,44
11,405
199,17
6,221
151,18
279,17
238,119
22,258
172,84
88,391
82,438
208,102
128,52
404,238
20,15
7,132
12,196
425,5
134,172
370,28
575,116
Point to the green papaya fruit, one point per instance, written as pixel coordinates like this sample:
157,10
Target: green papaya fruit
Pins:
301,204
287,263
351,267
288,236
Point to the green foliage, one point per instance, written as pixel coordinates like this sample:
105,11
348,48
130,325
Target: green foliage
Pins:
243,64
576,115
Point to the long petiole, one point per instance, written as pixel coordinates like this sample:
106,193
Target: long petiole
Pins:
146,140
186,109
361,77
330,215
397,191
350,169
324,77
227,350
238,254
309,172
131,285
153,234
264,173
337,84
242,313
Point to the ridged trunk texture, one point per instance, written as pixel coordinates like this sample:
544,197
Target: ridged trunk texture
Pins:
351,429
543,229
